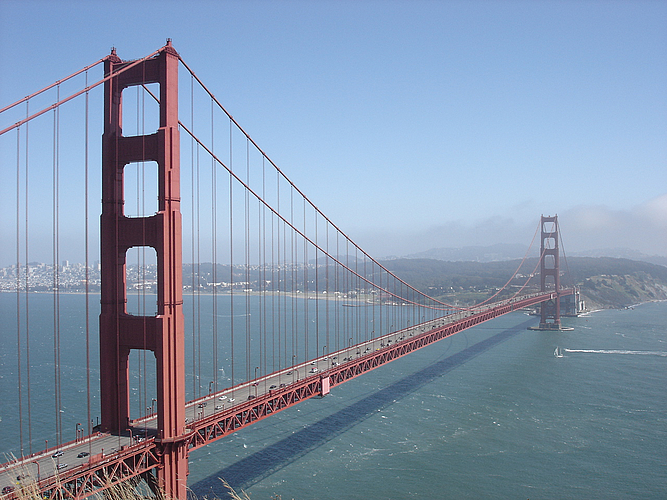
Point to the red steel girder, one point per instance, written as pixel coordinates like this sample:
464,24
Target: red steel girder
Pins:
101,473
211,428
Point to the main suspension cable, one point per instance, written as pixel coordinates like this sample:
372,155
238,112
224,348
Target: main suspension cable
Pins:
60,102
281,173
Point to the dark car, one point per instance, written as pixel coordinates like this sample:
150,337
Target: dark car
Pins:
7,489
83,454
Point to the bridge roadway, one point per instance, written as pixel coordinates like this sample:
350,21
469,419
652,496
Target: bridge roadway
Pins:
136,447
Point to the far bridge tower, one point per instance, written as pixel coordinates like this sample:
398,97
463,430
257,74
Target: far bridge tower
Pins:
550,275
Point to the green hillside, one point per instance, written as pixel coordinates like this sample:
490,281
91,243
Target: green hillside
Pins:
604,281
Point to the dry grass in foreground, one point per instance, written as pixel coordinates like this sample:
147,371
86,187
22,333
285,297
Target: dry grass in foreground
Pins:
27,489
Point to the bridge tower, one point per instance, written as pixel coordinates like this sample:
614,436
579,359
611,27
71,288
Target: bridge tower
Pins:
120,332
550,268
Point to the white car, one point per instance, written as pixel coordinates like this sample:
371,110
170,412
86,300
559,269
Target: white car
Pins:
222,398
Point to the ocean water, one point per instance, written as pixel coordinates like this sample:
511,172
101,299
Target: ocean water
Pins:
488,413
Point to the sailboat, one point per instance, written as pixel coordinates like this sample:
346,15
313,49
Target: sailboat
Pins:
558,353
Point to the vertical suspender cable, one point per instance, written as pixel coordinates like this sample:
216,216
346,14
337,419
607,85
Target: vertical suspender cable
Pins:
337,317
327,290
283,355
57,182
231,250
317,303
562,251
139,262
198,267
277,289
305,286
56,277
144,403
347,286
18,286
27,286
294,304
193,281
262,270
274,291
374,297
214,251
87,267
143,383
247,263
366,297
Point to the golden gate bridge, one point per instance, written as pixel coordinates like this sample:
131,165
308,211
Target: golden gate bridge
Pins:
280,304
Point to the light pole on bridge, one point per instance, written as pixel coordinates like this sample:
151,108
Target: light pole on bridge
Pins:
256,383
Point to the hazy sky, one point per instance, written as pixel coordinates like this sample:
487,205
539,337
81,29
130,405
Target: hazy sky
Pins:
412,124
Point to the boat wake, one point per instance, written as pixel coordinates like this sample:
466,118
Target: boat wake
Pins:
617,351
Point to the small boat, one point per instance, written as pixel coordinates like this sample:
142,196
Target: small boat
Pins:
558,353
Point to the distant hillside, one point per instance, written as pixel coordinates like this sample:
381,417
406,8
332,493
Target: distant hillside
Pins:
604,281
500,252
491,253
623,253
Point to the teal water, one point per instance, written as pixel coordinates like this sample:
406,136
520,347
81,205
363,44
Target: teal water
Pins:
488,413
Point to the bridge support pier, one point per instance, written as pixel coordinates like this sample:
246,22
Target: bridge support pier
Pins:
120,332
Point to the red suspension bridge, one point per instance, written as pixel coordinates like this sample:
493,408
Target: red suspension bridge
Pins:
277,305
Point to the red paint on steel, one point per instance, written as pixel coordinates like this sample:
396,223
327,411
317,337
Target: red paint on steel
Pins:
550,268
119,331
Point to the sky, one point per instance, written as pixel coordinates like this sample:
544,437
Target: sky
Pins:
412,124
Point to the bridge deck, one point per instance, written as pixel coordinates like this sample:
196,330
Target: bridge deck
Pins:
222,413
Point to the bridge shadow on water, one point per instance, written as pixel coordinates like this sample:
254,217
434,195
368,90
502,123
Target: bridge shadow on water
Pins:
268,461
